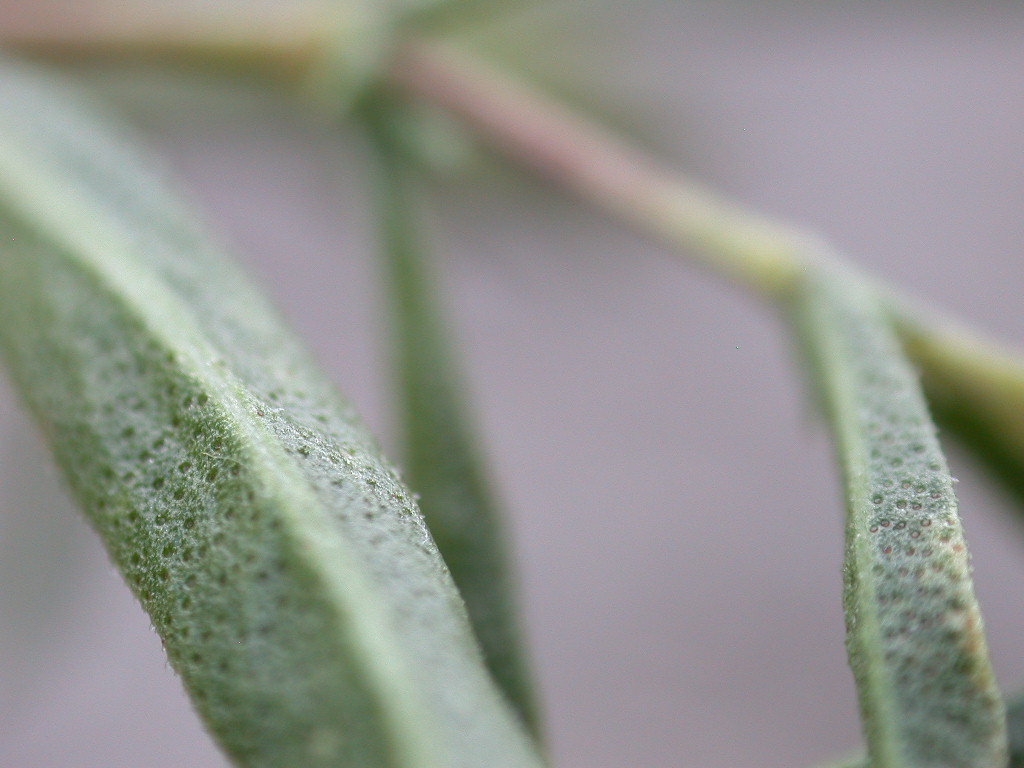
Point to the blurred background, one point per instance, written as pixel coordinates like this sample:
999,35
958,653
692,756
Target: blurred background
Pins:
675,509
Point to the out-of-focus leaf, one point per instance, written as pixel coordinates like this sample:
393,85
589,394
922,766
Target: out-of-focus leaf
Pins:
442,460
1015,730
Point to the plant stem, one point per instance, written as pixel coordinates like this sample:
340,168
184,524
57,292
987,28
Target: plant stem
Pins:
520,123
282,45
566,150
523,125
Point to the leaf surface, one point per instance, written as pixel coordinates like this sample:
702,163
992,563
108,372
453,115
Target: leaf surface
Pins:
975,388
288,571
927,695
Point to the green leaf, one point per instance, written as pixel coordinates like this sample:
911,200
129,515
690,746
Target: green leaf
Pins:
442,461
1014,729
914,632
975,388
289,573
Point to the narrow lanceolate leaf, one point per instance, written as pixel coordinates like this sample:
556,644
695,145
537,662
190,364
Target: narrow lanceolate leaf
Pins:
289,573
914,633
442,462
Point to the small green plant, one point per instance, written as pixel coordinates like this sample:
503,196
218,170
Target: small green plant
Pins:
318,610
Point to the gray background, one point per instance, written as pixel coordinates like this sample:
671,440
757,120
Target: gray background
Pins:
672,495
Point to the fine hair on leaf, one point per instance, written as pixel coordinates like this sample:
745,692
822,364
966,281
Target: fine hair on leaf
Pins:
927,694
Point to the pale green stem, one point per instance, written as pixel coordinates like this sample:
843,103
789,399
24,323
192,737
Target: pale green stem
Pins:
566,150
523,125
284,45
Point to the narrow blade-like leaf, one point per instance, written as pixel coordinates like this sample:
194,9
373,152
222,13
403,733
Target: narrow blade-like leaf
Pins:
914,632
295,586
442,462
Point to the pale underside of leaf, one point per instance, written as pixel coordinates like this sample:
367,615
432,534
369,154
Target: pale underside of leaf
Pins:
287,570
914,632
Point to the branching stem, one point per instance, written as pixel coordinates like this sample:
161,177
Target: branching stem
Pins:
535,132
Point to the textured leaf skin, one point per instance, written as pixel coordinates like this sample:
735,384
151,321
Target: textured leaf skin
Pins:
288,571
975,389
1014,729
441,458
914,632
